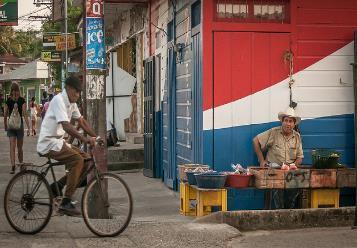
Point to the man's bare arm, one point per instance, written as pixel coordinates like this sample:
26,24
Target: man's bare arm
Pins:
298,161
259,152
86,127
71,130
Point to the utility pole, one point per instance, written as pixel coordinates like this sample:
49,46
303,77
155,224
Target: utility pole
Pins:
66,34
354,65
64,73
94,73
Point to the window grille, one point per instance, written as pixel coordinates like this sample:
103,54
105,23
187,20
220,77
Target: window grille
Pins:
253,11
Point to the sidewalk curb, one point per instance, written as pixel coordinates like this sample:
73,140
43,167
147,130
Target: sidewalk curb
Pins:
283,218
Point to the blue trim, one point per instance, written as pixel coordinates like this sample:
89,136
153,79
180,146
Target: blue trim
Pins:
158,145
197,118
170,171
234,145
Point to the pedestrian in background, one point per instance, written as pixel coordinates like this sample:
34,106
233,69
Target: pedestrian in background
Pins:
14,113
33,114
44,99
47,104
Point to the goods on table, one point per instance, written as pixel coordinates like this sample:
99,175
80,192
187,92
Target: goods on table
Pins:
211,180
240,178
325,159
181,170
190,173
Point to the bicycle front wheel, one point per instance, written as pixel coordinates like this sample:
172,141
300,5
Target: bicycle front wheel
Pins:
107,205
28,202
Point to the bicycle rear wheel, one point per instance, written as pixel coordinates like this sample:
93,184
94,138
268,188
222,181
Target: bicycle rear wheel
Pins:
28,202
107,214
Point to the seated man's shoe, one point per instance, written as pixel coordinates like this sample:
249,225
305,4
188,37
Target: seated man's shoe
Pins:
68,208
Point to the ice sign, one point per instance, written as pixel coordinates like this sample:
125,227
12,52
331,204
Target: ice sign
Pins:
95,44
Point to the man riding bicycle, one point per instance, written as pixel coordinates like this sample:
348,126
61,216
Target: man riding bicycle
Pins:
51,143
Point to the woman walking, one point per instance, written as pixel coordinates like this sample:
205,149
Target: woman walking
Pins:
14,113
33,111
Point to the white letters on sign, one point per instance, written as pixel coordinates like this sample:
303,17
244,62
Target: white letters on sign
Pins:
96,8
95,37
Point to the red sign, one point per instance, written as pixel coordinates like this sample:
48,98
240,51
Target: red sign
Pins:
94,8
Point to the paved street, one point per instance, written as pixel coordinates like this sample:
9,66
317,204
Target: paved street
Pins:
299,238
156,222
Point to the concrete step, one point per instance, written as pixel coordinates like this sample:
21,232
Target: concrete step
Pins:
134,138
114,166
127,156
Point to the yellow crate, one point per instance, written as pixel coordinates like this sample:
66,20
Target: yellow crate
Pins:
207,198
187,196
325,198
188,200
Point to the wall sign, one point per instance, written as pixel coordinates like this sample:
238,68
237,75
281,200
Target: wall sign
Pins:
8,13
95,38
94,8
51,56
95,44
95,86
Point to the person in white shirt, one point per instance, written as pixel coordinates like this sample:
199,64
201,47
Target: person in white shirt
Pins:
51,143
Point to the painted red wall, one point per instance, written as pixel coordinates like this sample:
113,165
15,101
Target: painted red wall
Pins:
154,19
317,29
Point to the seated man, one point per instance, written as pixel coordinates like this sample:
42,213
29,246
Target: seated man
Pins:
51,143
281,144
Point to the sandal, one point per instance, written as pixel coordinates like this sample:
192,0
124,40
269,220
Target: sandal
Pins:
12,170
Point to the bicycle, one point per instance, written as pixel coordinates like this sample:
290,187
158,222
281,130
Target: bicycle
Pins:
29,201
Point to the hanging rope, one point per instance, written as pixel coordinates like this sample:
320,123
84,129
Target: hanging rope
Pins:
289,57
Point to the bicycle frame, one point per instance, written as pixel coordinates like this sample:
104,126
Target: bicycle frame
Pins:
49,167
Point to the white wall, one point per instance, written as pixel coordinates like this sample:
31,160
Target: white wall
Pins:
163,17
118,83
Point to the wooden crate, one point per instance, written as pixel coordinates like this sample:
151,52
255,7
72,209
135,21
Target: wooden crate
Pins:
325,198
297,179
346,178
181,170
323,178
267,178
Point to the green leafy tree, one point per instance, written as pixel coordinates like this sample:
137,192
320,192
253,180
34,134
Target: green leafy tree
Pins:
74,15
25,44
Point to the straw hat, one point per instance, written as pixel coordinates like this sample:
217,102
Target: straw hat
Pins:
290,112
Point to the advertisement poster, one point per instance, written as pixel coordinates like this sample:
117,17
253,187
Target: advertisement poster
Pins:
50,56
8,13
95,45
95,87
94,8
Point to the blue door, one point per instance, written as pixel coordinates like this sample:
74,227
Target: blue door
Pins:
169,123
197,99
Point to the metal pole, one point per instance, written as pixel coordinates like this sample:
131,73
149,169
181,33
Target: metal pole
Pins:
66,35
355,116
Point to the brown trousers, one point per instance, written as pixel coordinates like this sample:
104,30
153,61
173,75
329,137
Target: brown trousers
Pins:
73,158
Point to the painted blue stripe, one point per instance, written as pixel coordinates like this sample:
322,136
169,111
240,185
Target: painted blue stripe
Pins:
234,145
158,171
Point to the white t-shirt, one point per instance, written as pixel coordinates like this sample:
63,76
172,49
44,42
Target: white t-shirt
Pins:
51,133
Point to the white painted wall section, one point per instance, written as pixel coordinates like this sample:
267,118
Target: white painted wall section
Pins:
323,89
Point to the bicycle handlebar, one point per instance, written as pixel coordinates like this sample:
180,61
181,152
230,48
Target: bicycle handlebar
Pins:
99,141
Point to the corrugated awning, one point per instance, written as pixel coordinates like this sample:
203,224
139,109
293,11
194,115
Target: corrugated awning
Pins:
33,70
